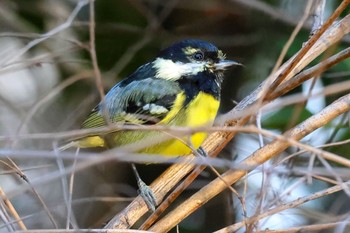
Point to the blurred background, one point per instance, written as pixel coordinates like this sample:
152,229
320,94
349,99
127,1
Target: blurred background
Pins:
47,85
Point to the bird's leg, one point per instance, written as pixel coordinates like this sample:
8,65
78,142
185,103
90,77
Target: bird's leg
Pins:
145,191
202,152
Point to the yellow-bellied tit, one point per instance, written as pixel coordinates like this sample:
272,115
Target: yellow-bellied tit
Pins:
180,87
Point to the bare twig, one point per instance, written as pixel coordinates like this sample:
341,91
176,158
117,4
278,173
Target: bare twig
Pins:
309,73
293,35
165,204
12,210
267,9
311,42
258,157
98,77
49,96
13,57
285,206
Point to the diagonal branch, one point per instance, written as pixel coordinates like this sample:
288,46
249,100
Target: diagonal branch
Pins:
285,206
260,156
311,42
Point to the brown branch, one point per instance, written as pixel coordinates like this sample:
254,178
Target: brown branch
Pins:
260,156
161,186
250,105
311,42
12,210
170,199
309,73
283,207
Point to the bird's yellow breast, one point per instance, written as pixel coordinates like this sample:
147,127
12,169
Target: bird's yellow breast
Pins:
201,111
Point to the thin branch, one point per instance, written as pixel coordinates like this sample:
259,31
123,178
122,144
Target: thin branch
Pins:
12,210
45,36
92,50
171,197
53,93
309,73
311,42
293,35
260,156
284,206
71,217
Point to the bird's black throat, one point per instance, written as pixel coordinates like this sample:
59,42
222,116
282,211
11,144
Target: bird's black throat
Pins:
205,81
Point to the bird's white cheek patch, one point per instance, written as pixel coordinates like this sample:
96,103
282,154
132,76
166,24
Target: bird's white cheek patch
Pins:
169,70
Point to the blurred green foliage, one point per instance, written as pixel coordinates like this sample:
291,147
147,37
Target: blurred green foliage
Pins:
279,119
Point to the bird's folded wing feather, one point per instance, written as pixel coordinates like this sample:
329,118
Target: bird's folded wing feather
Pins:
145,101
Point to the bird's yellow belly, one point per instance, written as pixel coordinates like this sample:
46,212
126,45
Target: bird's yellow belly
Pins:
201,111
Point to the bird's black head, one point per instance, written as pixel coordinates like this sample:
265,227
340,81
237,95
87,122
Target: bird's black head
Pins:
191,50
188,58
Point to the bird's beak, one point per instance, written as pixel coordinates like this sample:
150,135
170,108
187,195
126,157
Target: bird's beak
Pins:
224,64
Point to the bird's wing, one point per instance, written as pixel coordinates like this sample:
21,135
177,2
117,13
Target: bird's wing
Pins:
145,101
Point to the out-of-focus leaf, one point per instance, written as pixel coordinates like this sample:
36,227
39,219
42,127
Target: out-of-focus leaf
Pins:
282,118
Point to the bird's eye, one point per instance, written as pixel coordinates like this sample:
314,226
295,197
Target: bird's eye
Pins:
199,56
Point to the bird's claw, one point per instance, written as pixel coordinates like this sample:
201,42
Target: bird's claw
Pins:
147,195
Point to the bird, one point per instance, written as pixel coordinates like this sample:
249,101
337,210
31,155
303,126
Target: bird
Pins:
179,87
